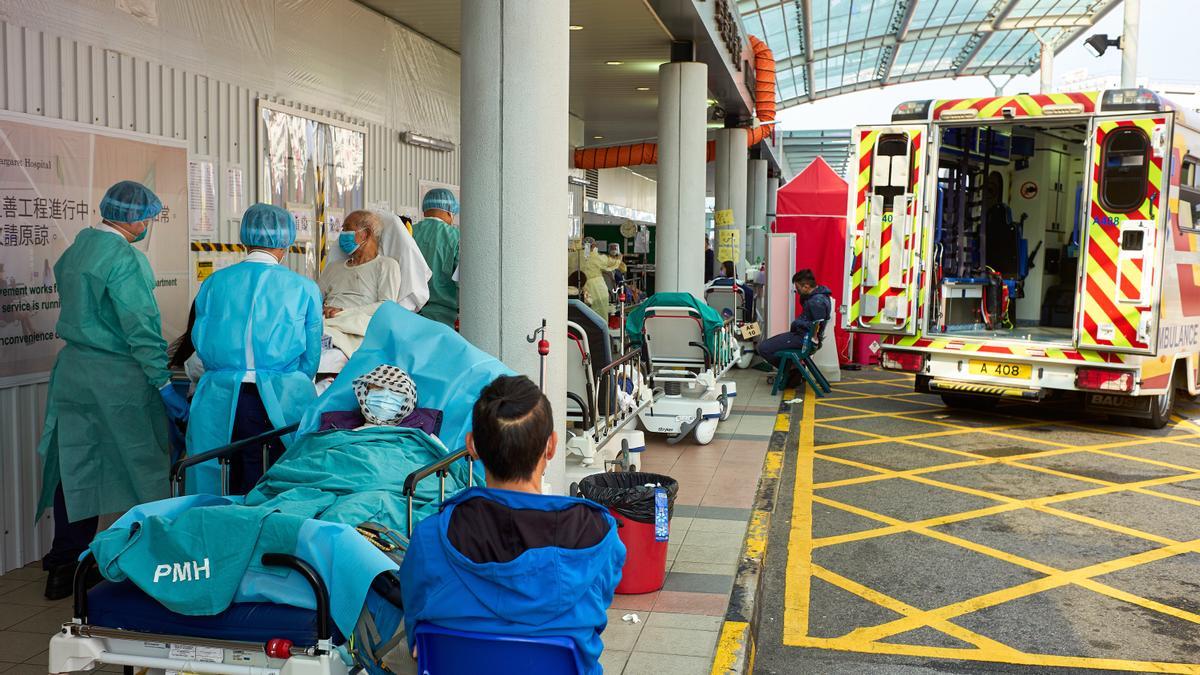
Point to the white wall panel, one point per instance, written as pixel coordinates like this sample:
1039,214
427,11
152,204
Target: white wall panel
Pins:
195,76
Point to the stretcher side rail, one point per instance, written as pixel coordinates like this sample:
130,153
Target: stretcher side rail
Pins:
224,455
441,469
324,627
614,416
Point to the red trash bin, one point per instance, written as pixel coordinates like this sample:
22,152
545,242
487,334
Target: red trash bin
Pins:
645,568
629,497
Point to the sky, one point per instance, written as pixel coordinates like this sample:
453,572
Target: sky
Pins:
1167,53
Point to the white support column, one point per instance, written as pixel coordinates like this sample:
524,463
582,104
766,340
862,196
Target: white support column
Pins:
515,61
682,102
1129,43
1047,57
730,188
756,206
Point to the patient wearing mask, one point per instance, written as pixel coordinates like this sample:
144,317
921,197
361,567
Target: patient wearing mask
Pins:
387,397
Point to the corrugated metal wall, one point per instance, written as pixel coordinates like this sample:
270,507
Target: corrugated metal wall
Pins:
65,79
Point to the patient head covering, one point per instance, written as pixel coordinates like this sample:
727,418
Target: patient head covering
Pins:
129,202
441,199
267,226
395,387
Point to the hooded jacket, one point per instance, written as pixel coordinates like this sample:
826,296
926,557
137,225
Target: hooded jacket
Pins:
818,306
513,563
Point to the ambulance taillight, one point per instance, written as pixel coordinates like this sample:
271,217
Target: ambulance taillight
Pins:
909,362
1103,379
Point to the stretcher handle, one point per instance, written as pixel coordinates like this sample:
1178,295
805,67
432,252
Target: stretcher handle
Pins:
320,592
178,471
82,571
583,406
441,468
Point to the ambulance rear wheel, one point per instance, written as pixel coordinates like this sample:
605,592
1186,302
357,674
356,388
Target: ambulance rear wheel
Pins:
1160,409
705,431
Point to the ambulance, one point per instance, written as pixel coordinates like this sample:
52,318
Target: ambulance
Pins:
1032,247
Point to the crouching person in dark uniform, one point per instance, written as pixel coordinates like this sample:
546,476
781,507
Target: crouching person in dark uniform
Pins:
818,307
507,559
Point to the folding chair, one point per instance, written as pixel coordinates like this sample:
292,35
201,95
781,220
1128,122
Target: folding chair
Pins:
443,651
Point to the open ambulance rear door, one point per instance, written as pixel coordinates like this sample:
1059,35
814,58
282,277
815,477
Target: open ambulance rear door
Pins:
1122,258
883,247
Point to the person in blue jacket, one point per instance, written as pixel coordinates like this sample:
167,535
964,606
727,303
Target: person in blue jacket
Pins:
258,333
507,559
817,309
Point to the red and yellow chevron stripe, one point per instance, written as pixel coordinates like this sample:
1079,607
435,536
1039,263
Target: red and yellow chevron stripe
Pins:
1113,301
1031,352
1024,105
883,290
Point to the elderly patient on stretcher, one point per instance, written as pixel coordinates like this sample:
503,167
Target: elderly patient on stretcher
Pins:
351,473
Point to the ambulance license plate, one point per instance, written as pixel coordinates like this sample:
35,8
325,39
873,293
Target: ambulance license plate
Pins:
1021,371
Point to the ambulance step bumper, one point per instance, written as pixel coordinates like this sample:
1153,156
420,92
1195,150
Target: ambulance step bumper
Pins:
991,390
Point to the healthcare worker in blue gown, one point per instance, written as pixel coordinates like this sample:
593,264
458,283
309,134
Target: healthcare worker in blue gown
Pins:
258,334
105,444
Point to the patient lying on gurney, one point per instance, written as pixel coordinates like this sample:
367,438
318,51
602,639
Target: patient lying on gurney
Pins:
348,476
507,559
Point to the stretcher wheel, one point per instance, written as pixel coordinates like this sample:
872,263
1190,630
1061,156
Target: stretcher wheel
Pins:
705,431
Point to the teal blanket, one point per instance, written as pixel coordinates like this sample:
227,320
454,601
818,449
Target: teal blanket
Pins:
197,557
364,471
710,317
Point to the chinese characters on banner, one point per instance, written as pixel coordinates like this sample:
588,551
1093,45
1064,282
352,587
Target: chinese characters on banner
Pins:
51,183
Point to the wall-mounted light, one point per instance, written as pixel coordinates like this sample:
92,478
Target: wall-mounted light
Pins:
422,141
576,26
1099,43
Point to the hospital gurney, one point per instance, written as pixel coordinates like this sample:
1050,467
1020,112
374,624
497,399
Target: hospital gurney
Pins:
600,406
688,351
730,302
289,624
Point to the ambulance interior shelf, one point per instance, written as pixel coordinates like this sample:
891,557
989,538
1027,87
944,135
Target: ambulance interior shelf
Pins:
983,259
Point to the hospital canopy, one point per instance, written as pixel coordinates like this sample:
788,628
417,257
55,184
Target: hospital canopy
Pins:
824,48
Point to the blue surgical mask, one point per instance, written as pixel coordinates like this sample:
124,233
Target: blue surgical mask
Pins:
347,242
384,404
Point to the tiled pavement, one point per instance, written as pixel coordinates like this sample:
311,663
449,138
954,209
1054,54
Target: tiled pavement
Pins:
717,483
678,626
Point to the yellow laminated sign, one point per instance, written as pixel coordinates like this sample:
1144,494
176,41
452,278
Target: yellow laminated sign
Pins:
727,244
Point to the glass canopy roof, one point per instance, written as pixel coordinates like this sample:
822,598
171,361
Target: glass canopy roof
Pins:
828,47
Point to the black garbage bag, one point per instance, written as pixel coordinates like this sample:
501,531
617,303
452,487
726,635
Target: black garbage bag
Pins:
627,494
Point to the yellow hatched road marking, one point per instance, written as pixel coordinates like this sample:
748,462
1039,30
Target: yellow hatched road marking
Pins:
801,544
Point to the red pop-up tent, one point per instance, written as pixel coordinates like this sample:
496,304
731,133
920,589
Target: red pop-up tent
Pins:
813,206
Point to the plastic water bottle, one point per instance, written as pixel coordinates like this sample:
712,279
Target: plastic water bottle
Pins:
662,523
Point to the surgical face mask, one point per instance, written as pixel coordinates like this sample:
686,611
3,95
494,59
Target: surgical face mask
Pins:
347,242
143,234
384,404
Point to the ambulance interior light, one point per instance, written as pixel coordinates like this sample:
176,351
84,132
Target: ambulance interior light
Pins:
1131,99
910,111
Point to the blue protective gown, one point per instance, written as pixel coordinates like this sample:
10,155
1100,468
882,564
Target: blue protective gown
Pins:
258,317
543,592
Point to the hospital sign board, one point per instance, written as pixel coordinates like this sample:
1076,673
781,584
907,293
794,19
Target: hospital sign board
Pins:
52,178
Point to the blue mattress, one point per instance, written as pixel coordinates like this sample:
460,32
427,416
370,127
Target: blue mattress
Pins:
125,606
